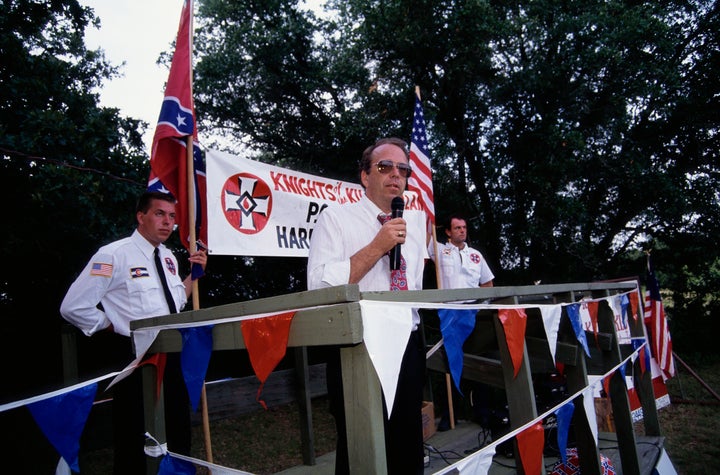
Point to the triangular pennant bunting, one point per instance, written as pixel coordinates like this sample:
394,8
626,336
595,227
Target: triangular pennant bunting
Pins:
551,321
266,340
592,309
573,312
564,417
386,332
158,360
624,305
170,465
514,322
62,419
456,326
530,444
195,358
477,463
589,407
634,303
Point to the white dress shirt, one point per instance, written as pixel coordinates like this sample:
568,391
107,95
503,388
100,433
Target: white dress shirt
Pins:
343,230
461,268
121,276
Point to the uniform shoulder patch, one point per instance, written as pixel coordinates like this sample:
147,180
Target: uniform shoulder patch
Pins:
101,269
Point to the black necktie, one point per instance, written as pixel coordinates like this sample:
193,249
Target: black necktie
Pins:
163,280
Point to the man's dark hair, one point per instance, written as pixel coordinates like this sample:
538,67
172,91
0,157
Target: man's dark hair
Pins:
145,200
366,159
448,221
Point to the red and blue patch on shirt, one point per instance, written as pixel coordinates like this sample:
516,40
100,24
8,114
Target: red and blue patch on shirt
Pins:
136,272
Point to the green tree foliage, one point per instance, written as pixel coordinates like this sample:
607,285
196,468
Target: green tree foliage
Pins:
262,81
575,133
71,172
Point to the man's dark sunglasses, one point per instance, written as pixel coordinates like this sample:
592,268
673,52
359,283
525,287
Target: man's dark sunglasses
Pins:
386,166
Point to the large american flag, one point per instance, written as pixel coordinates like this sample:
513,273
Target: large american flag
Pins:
656,322
421,179
176,123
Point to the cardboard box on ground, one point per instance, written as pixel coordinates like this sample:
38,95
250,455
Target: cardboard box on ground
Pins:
428,420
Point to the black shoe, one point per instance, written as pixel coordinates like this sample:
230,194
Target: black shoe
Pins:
444,424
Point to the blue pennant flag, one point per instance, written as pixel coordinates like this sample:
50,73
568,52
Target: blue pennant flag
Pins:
564,416
573,312
170,465
624,304
637,343
195,358
456,326
62,419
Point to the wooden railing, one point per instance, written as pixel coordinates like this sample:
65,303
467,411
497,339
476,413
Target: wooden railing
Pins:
333,316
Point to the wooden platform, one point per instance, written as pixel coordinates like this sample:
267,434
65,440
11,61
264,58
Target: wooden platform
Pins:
333,317
446,448
230,398
462,441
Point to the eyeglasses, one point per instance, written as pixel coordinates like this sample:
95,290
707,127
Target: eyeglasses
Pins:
386,166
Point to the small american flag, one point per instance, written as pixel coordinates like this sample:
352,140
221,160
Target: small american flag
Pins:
656,322
421,180
101,269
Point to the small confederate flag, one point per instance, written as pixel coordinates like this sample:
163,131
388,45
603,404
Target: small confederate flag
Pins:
421,180
656,322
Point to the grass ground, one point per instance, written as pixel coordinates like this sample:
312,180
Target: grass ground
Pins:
265,442
261,442
690,423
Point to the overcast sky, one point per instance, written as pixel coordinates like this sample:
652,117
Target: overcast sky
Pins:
135,32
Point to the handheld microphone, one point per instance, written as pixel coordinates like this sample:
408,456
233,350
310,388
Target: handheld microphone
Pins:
397,205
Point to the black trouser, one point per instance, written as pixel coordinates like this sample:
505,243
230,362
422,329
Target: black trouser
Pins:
129,421
403,430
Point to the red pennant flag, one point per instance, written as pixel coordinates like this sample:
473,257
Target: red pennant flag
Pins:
592,306
530,444
643,357
158,360
266,341
606,384
634,302
514,321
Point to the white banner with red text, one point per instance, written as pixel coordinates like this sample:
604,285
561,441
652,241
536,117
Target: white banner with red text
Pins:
257,209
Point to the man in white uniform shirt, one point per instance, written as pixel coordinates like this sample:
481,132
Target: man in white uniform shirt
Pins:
349,246
460,266
122,283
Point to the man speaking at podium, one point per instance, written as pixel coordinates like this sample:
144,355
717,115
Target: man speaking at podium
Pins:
354,244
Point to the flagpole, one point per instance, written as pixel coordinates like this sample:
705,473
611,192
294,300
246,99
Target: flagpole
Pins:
448,380
192,234
434,233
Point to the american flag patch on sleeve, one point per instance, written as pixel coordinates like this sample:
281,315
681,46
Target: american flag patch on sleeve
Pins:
101,269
